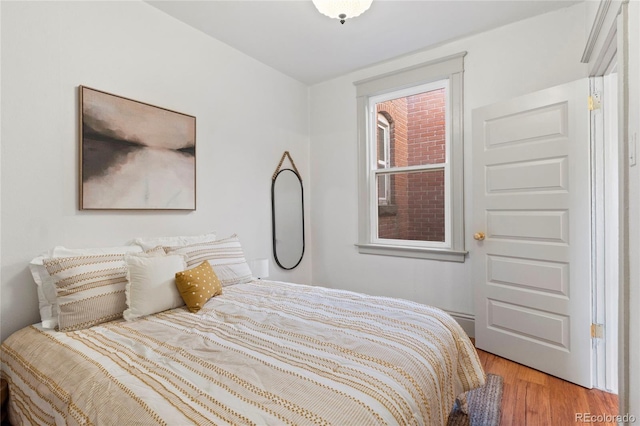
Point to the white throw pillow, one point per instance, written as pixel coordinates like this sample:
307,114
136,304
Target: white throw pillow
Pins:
46,288
149,243
151,285
225,256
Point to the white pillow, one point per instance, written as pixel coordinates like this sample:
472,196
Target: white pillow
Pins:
45,301
225,256
46,285
149,243
151,284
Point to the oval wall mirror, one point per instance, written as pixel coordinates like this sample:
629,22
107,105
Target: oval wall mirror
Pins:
287,209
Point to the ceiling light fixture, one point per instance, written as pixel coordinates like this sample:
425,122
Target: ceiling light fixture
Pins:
342,9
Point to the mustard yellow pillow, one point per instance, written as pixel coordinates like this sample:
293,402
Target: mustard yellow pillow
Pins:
198,285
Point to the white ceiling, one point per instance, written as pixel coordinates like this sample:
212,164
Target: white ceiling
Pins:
294,38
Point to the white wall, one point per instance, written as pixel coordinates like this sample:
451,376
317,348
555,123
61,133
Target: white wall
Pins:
247,115
513,60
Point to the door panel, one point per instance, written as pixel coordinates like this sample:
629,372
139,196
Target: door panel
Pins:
531,199
531,324
527,126
531,225
547,277
545,175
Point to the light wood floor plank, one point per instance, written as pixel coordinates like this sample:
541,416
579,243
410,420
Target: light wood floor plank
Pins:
538,410
568,398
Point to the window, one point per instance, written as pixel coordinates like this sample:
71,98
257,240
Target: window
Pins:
384,153
410,148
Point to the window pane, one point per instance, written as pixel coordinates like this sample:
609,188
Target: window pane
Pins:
382,150
419,128
416,210
382,190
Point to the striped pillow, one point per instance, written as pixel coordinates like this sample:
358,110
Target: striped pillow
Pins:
225,256
90,289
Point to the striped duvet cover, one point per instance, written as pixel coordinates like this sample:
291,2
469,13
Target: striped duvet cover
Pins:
262,353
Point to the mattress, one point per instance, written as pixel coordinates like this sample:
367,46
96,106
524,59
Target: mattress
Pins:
262,353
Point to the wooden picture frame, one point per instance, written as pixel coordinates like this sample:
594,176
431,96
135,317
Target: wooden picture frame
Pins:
135,156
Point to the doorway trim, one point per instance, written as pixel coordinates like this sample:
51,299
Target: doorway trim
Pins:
608,41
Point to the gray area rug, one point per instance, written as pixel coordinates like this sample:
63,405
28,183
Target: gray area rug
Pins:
484,405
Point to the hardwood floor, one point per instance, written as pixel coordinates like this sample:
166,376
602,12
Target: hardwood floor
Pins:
534,398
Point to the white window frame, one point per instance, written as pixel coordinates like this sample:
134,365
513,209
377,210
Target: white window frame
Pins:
391,86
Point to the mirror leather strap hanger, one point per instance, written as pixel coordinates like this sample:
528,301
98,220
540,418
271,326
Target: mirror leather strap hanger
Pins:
285,155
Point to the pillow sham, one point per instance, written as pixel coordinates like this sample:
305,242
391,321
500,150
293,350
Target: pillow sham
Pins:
149,243
225,256
151,284
156,251
90,289
45,284
198,285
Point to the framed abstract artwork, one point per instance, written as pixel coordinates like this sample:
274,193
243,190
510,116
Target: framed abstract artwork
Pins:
135,156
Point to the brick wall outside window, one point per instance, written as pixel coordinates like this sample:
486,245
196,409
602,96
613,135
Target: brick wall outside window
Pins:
417,131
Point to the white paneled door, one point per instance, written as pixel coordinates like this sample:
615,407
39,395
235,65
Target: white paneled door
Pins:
531,252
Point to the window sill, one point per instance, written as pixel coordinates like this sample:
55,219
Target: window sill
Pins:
387,210
446,255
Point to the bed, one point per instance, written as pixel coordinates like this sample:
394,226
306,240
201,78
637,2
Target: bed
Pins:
260,353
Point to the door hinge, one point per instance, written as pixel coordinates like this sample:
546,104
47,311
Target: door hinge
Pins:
597,331
594,102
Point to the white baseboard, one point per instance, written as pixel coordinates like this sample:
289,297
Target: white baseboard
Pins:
466,321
